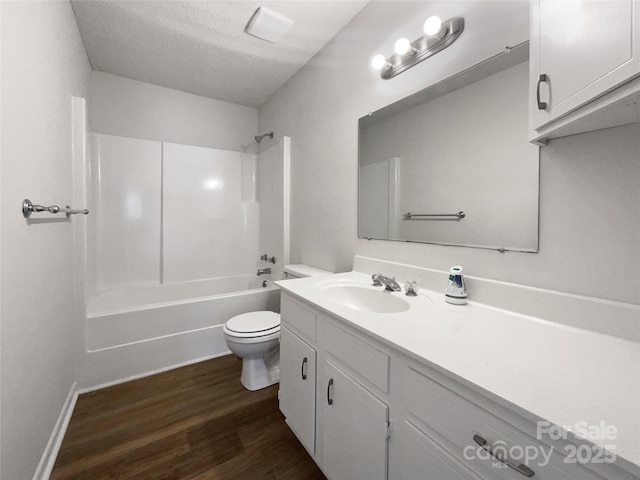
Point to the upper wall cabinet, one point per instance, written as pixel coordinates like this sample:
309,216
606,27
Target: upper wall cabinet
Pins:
585,66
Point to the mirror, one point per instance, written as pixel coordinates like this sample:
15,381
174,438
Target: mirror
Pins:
451,164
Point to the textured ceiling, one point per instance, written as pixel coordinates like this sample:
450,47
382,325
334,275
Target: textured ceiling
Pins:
200,46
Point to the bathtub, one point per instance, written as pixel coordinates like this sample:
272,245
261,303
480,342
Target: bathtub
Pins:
135,332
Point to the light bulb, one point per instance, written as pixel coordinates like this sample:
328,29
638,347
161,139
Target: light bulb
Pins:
433,25
402,46
378,62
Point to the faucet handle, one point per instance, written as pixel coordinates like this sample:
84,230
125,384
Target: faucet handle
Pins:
411,288
376,279
267,258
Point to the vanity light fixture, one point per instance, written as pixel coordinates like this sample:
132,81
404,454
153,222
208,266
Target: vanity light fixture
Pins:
379,62
433,27
437,36
403,47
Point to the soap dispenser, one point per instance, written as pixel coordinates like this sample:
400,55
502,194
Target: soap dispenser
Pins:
456,292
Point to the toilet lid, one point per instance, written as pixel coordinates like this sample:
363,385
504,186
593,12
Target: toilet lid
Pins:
254,322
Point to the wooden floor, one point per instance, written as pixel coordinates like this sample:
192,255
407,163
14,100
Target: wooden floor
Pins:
195,422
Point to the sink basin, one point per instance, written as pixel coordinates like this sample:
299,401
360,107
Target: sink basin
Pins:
365,299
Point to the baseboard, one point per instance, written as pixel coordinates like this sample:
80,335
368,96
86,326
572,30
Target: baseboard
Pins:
48,460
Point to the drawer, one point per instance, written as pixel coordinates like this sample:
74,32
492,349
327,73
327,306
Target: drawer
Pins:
360,356
460,425
424,459
299,318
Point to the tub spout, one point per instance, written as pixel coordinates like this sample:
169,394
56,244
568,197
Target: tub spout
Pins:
264,271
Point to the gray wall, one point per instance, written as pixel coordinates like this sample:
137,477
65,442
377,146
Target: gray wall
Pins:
120,106
589,198
43,65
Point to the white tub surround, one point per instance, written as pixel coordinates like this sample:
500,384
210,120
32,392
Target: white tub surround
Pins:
161,209
129,299
166,307
158,328
539,369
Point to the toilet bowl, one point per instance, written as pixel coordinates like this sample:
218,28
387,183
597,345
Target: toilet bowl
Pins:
255,337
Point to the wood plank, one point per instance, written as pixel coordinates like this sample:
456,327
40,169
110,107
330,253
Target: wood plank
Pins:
192,423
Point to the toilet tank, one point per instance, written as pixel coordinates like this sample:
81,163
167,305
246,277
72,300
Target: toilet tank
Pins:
300,271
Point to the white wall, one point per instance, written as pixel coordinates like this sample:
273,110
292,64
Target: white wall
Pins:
43,65
120,106
589,216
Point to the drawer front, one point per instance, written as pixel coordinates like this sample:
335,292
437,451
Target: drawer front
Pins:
361,357
424,459
299,318
463,427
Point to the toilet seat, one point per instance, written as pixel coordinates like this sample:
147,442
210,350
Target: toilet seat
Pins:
253,325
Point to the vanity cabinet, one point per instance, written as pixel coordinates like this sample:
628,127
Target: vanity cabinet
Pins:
373,412
421,457
355,419
354,428
475,437
580,52
336,415
298,387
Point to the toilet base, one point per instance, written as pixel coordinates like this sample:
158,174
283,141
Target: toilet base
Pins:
259,373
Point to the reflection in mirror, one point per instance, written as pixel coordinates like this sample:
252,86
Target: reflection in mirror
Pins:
459,146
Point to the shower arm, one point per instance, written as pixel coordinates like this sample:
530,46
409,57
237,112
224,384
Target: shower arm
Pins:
259,138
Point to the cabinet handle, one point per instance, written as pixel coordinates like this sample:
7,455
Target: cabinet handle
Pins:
329,385
521,468
542,78
304,362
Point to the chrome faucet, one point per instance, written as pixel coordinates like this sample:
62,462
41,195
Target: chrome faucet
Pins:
264,271
390,284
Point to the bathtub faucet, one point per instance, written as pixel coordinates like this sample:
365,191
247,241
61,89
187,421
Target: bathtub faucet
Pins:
264,271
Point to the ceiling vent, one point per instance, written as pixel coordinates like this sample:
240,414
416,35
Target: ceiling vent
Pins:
268,25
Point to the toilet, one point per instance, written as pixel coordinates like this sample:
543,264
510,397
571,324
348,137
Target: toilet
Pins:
255,337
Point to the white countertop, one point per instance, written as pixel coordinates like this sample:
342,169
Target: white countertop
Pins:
561,374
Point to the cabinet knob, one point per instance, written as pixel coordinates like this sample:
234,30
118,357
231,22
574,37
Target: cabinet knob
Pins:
542,78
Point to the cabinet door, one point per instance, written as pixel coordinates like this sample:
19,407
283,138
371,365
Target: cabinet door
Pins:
298,387
422,459
585,49
354,429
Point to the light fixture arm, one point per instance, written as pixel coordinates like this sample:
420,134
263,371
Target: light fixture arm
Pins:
424,47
